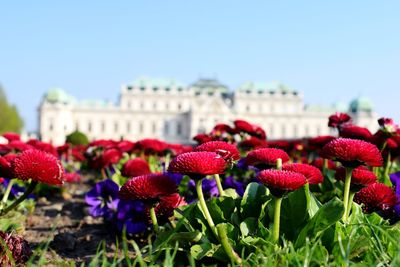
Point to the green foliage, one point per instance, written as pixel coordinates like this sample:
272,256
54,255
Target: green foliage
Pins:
77,138
10,120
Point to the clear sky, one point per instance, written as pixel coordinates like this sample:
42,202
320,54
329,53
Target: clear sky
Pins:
329,50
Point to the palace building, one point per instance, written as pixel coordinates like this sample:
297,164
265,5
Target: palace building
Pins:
175,112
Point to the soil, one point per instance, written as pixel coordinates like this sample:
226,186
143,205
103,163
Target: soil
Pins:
62,222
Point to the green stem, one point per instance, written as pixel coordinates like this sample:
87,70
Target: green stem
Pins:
233,256
219,185
277,218
279,164
7,192
203,206
385,177
167,160
346,193
154,218
350,203
29,190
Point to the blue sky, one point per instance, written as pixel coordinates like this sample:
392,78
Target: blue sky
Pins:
329,50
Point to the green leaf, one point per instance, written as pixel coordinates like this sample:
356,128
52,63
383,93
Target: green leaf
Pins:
249,226
230,192
252,200
294,212
200,251
327,215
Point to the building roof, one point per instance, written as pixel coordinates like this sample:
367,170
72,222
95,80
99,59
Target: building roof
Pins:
275,86
361,104
58,95
209,85
156,82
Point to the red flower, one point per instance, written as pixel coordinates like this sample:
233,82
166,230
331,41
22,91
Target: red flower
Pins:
177,149
251,129
281,182
355,132
17,246
281,144
71,177
223,128
319,141
6,165
360,176
135,167
352,152
103,143
319,163
202,138
312,174
126,146
38,166
376,197
168,203
227,151
110,156
43,146
338,119
264,158
11,136
19,146
151,146
252,143
198,164
150,188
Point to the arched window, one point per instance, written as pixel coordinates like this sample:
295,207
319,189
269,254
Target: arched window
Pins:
179,128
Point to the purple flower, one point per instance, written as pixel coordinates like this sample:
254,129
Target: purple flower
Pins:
103,199
230,182
395,179
16,189
209,187
132,216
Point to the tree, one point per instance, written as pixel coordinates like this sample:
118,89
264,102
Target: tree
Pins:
10,121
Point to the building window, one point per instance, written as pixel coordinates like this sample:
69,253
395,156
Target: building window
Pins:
247,108
76,126
154,105
180,89
210,93
103,126
129,104
141,127
307,130
141,105
51,126
116,127
154,128
155,88
166,128
295,131
178,128
283,131
129,87
167,106
128,126
179,106
89,126
167,89
142,88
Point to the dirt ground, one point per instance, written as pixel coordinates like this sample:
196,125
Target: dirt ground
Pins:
63,222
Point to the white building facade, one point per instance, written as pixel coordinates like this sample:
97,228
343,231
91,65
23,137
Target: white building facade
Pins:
174,112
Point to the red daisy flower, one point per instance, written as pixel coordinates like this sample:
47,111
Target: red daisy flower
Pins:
281,182
151,146
319,163
167,205
177,149
135,167
223,128
355,132
338,119
252,143
38,166
202,138
198,164
227,151
352,152
126,146
251,129
11,136
149,188
376,197
312,174
17,246
264,158
360,177
110,156
319,141
19,146
43,146
71,177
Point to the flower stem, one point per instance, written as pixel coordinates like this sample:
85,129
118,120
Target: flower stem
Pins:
219,185
203,206
233,256
279,164
277,218
350,203
7,192
346,193
385,177
154,219
167,160
29,190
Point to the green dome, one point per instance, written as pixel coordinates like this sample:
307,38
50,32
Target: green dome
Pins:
341,107
58,95
265,87
209,85
361,104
